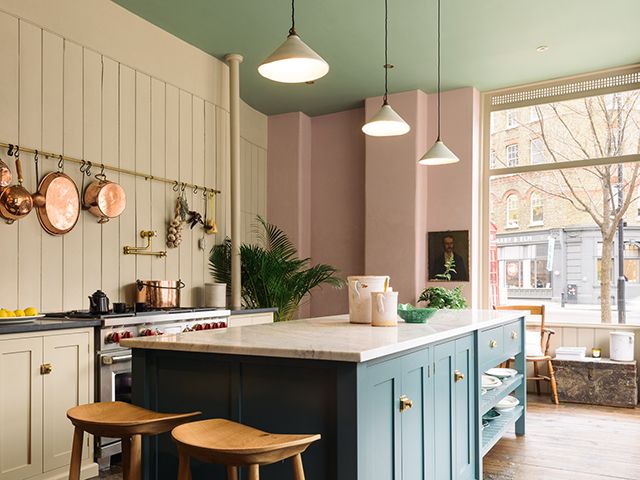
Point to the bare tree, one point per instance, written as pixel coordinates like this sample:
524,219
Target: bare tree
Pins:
607,127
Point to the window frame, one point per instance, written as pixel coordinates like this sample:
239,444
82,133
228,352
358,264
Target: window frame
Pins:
538,93
517,156
532,222
508,223
532,142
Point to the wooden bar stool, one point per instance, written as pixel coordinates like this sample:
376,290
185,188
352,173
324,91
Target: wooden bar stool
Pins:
119,420
224,442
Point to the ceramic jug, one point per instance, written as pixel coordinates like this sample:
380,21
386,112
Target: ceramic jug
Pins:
360,289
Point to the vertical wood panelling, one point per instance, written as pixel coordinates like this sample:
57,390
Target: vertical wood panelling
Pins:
52,251
9,130
172,166
197,254
210,174
186,175
30,133
143,164
63,97
110,230
92,148
159,215
73,291
128,234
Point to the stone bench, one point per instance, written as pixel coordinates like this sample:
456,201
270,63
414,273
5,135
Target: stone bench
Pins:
597,382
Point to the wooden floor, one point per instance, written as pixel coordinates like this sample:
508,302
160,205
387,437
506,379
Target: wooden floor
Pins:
569,441
564,442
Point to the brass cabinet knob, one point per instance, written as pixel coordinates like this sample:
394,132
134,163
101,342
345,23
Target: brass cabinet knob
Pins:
405,403
46,369
493,344
458,376
514,335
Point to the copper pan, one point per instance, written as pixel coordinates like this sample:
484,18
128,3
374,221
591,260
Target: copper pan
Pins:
159,293
5,175
15,201
104,199
57,203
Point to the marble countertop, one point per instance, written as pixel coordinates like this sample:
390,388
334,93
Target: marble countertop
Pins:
45,324
327,338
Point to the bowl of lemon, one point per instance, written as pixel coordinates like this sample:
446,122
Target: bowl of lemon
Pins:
19,315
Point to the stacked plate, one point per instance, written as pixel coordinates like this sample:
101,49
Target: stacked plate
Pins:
501,372
489,382
507,404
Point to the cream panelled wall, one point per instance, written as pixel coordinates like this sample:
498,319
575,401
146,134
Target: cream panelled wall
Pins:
61,96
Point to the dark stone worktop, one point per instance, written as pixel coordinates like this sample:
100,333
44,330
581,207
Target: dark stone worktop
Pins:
41,325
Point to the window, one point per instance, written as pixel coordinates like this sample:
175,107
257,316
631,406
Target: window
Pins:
512,155
492,123
493,161
512,211
537,151
537,210
571,164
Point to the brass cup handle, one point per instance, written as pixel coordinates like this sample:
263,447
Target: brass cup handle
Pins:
514,335
405,403
46,369
458,376
493,344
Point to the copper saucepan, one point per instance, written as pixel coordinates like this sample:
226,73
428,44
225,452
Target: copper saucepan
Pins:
57,203
5,175
15,201
104,199
159,293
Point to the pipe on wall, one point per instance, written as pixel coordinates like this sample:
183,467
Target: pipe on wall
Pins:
234,60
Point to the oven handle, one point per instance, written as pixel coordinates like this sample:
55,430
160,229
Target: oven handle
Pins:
110,360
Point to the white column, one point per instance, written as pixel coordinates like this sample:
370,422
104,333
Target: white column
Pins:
234,60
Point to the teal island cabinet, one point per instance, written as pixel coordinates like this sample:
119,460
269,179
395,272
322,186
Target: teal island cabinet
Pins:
391,403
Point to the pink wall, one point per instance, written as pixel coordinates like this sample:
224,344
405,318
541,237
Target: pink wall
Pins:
337,202
364,204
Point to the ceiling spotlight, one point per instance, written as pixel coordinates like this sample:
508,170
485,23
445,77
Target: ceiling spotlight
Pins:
542,48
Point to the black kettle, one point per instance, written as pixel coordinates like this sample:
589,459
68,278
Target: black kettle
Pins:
99,302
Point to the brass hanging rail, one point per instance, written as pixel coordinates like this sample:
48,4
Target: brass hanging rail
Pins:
78,161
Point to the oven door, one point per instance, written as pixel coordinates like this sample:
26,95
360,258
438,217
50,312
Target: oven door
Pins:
114,384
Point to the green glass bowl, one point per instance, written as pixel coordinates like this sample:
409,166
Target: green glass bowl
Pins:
411,314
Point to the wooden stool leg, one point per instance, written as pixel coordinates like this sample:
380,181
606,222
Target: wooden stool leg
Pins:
536,373
298,471
554,388
232,472
254,473
76,454
126,458
135,458
184,470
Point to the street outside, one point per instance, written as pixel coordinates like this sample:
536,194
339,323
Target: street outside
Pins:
584,313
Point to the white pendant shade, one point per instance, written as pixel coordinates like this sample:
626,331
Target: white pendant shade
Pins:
438,154
293,62
386,123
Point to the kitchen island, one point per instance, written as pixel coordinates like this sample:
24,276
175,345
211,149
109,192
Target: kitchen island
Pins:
391,402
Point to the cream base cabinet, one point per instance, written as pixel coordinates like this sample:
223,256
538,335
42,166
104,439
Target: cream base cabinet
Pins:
42,375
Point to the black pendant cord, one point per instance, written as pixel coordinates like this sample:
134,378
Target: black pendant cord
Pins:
386,63
292,30
438,71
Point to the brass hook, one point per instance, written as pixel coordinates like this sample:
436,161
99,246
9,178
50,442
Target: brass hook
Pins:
17,152
204,194
88,170
175,187
83,166
184,186
10,151
35,157
195,189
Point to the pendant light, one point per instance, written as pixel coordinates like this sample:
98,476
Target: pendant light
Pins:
386,122
293,61
438,154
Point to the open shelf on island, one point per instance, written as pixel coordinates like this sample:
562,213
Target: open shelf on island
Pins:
496,428
493,396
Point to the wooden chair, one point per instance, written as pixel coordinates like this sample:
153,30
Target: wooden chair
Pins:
545,342
234,445
120,420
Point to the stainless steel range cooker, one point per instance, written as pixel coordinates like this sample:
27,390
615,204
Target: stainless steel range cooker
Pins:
113,362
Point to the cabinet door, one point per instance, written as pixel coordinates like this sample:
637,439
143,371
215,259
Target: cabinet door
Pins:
464,417
414,428
379,425
20,408
443,410
66,386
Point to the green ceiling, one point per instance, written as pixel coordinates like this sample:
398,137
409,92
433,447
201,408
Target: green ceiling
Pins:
486,43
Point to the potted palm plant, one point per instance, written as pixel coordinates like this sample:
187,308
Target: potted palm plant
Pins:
272,273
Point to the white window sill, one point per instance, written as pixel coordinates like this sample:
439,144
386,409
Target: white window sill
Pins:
512,227
536,224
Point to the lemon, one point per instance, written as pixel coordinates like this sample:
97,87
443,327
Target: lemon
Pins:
10,313
3,313
19,313
31,312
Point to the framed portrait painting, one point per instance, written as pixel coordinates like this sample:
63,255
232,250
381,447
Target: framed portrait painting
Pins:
448,255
